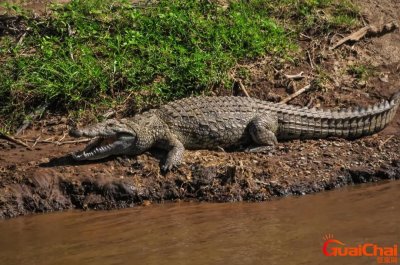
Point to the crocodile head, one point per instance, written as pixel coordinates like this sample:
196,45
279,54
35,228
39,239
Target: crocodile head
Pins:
111,137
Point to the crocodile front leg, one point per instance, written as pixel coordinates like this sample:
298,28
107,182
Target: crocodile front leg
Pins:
175,152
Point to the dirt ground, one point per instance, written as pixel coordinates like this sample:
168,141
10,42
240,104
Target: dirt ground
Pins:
46,179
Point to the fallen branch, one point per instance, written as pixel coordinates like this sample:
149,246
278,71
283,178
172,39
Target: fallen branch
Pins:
311,61
296,94
384,142
21,39
109,114
305,36
58,142
13,140
367,31
243,88
296,76
74,141
261,182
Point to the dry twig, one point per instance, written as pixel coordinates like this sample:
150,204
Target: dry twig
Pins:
58,142
384,142
305,36
296,94
367,31
16,141
311,61
21,39
296,76
243,88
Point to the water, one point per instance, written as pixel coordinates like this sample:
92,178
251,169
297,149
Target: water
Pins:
285,231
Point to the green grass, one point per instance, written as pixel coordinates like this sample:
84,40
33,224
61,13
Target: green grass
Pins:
89,54
315,15
360,71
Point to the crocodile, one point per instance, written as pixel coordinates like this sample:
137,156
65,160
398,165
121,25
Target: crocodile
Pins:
227,122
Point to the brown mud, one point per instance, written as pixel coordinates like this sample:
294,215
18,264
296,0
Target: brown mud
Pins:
46,179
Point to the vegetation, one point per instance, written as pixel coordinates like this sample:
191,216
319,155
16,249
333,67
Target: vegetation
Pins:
360,71
88,54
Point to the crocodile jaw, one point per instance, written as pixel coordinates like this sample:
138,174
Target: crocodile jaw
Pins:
102,147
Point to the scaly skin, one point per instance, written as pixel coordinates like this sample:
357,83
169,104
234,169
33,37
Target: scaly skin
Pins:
212,122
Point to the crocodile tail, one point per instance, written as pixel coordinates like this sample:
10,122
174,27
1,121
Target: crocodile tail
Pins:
347,123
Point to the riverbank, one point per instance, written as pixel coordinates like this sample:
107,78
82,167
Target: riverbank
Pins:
45,178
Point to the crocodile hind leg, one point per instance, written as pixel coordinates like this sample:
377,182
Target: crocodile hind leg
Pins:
262,131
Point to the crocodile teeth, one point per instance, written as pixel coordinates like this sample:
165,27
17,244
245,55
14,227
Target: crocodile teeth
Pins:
86,154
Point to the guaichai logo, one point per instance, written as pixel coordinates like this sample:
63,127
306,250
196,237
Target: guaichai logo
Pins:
335,248
328,240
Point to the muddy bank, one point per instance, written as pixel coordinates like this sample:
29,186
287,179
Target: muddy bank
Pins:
44,179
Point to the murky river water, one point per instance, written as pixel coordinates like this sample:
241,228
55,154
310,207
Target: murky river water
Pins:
285,231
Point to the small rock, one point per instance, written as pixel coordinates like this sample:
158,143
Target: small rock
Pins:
384,78
146,203
362,83
291,87
44,160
